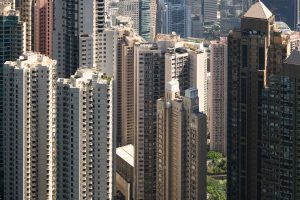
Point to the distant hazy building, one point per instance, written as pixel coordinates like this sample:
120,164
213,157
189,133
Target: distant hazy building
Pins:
286,11
181,146
196,7
30,127
124,172
85,141
149,86
12,32
280,152
210,9
143,15
217,103
230,16
131,8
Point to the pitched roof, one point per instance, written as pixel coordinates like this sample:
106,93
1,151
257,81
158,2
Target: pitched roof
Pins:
259,11
294,58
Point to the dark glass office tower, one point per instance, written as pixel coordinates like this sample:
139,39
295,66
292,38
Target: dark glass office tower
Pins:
281,133
11,47
247,66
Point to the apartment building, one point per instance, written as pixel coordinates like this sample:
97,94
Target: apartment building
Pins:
85,140
217,103
29,127
181,146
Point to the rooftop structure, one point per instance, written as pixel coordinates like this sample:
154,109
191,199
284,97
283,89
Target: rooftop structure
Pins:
259,11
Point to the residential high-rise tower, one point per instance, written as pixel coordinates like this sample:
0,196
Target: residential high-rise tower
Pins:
12,32
85,140
181,146
148,87
255,52
29,108
217,101
280,128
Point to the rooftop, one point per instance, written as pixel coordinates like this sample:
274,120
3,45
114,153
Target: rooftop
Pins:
31,60
126,153
258,11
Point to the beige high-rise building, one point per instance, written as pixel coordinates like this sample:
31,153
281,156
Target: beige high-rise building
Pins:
181,146
127,38
217,103
30,127
148,87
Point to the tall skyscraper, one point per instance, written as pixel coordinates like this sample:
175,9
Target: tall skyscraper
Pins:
255,52
149,86
12,34
280,152
125,84
248,65
77,39
85,141
43,27
143,14
181,146
30,127
217,103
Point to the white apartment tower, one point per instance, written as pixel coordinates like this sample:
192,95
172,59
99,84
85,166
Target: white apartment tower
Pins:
217,96
30,127
85,148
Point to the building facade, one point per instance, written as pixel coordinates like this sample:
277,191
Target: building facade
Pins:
30,127
12,46
217,103
85,141
26,8
210,9
148,87
181,146
143,15
280,160
247,75
255,52
43,27
77,40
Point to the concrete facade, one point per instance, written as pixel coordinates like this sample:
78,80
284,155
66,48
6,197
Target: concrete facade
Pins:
85,141
30,127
